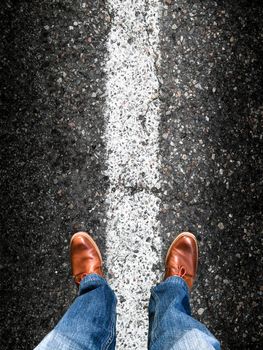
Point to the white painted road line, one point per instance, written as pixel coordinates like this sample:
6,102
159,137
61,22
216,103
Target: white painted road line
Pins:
131,137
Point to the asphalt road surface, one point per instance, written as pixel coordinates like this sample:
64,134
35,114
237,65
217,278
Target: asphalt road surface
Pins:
175,140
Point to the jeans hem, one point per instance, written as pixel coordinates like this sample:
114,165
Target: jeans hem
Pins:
179,281
89,279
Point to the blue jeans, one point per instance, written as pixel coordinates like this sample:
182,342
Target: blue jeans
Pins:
90,322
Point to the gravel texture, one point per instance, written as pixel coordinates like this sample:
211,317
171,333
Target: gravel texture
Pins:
53,180
211,146
52,156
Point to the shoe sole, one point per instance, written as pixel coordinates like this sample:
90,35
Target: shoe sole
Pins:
188,234
86,235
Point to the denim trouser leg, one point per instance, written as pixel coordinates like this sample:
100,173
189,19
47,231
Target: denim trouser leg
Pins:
170,323
89,323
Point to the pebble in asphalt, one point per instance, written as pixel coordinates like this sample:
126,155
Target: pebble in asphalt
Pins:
52,156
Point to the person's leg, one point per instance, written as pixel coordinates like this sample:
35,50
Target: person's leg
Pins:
170,323
90,322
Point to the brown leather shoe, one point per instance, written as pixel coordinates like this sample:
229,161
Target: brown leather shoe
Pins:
85,256
182,258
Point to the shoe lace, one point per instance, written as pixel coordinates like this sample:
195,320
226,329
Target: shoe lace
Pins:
181,271
177,270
